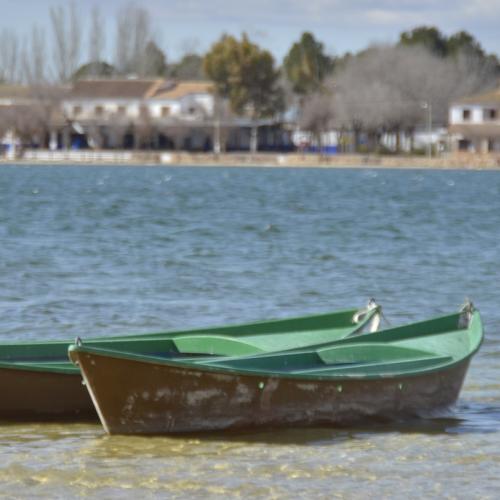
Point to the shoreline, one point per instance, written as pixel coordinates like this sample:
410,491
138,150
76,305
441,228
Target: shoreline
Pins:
461,161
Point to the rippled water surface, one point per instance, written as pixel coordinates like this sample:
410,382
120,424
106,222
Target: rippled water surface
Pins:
93,251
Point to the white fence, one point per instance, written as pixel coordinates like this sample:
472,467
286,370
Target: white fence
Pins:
83,156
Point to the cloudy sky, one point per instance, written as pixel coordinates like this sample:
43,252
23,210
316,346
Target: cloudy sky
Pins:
342,25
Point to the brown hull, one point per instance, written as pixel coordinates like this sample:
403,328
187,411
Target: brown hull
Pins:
133,397
35,395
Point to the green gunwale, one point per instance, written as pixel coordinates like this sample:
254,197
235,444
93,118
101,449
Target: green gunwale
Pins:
239,339
405,351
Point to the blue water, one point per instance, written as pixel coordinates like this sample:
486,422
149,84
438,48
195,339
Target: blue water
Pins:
92,251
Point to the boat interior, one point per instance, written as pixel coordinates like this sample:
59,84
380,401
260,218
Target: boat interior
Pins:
417,347
237,340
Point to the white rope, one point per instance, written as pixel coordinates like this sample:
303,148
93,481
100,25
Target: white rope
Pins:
466,312
362,313
375,322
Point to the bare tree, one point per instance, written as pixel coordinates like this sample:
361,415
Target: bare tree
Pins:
47,99
141,37
223,117
383,89
133,34
380,91
26,122
123,41
33,58
189,45
317,115
9,56
67,35
466,74
96,40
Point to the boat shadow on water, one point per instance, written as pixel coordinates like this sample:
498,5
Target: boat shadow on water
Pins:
474,419
464,418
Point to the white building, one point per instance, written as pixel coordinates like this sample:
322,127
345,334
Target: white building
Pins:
157,114
132,113
126,114
475,123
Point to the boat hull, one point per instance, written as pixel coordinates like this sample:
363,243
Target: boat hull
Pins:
38,382
36,395
162,398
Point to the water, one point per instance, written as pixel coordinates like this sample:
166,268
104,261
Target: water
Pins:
91,251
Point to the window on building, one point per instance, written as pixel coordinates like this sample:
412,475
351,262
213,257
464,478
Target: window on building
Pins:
466,115
490,114
98,110
77,110
121,110
464,145
165,111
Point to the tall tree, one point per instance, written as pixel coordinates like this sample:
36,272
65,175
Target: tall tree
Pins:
96,42
142,36
135,49
246,75
385,89
123,41
67,35
33,59
460,46
427,36
463,44
190,67
155,62
317,115
94,69
221,64
306,64
9,56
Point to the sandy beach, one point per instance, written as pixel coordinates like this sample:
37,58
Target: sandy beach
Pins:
444,161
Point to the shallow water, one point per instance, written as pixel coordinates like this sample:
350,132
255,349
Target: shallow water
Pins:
91,251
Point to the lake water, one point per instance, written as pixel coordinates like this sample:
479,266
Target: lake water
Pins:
92,251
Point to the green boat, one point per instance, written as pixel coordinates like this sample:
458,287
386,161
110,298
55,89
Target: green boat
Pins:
38,382
390,374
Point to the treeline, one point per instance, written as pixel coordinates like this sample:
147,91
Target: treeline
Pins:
384,89
72,46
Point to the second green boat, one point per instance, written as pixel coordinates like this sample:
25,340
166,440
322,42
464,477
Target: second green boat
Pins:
38,382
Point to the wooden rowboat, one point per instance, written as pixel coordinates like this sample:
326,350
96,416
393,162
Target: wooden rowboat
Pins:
392,373
38,382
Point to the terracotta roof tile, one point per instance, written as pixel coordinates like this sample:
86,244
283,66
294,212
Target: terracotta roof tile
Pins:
14,91
490,97
176,90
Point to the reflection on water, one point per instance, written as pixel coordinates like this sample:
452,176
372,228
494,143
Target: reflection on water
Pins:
106,251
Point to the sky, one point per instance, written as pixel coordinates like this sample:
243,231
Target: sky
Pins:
342,25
